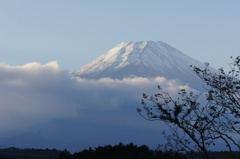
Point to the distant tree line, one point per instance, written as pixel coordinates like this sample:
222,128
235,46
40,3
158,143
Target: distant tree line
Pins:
132,151
121,151
30,153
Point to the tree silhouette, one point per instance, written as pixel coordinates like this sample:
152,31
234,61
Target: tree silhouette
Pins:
197,126
224,93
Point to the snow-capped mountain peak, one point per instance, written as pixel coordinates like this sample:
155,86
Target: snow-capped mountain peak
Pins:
142,59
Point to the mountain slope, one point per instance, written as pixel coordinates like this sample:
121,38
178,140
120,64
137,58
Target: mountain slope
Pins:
141,59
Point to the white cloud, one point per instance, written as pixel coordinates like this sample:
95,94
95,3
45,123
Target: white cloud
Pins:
29,94
38,93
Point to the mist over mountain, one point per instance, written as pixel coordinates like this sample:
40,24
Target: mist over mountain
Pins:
97,105
142,59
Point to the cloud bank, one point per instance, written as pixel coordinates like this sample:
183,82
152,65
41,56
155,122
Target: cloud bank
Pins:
37,94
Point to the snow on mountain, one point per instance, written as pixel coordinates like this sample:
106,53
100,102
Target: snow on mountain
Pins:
142,59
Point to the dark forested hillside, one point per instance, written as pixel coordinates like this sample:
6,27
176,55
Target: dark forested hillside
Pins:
120,151
17,153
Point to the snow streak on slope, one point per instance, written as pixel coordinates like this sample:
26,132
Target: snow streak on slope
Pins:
141,59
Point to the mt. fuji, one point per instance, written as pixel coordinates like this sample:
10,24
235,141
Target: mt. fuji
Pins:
142,59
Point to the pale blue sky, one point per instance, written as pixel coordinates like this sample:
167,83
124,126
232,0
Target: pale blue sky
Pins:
74,32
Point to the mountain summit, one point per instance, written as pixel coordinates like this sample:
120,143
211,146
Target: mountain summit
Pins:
141,59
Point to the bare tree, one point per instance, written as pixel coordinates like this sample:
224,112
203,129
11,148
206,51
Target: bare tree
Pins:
197,126
224,91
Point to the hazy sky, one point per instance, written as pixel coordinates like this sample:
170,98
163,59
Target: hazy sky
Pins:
75,32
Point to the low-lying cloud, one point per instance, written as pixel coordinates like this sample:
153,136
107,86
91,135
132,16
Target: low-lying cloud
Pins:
34,94
37,92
